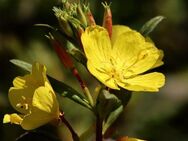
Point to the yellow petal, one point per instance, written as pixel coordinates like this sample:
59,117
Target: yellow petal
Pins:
35,79
20,97
102,77
96,44
12,118
39,73
159,61
145,60
117,30
45,100
148,82
97,47
36,119
127,46
45,109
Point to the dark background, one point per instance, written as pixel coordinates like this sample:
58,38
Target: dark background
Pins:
155,117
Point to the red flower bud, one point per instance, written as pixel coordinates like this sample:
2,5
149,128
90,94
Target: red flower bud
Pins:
62,54
107,19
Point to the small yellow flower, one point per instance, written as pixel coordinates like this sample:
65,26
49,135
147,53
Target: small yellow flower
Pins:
122,60
33,97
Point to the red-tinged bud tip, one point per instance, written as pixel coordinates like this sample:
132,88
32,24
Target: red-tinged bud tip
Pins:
90,18
107,19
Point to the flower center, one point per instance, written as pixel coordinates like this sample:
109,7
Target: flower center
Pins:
24,104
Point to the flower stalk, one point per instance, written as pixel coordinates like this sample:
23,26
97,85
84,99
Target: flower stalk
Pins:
73,133
99,122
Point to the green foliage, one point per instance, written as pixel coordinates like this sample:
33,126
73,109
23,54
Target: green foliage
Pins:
150,25
109,108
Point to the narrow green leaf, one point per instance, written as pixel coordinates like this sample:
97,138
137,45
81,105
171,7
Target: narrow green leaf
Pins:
59,87
24,65
112,117
46,25
149,26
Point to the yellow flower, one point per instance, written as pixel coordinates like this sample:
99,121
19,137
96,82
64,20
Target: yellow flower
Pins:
33,97
122,60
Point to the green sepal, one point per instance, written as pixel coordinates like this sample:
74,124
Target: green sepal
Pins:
109,107
61,88
150,25
123,95
106,103
77,54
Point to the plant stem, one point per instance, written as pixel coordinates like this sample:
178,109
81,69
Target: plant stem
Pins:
83,86
99,136
74,134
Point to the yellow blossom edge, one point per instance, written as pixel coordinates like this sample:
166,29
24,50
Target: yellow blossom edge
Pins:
33,97
122,60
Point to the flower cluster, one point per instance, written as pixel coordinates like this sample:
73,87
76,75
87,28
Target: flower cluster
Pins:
116,55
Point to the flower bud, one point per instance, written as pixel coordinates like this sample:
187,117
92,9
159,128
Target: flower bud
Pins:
107,18
89,16
61,52
63,17
81,15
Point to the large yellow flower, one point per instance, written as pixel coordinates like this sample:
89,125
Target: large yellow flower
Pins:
122,60
33,97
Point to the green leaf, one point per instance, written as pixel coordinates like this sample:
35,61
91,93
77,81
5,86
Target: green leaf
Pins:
123,95
112,117
108,107
111,105
46,25
59,87
106,103
24,65
149,26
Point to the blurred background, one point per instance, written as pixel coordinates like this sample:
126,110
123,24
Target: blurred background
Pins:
155,117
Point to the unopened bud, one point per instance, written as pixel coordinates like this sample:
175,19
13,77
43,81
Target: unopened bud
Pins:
81,15
107,19
63,17
89,16
61,52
